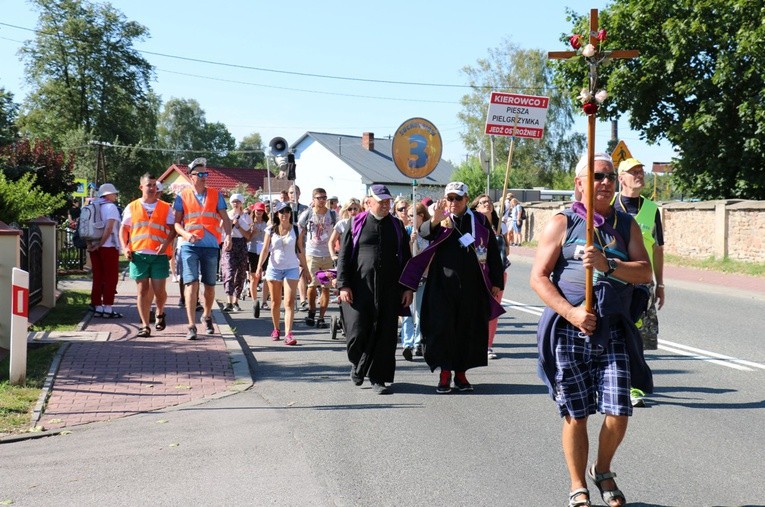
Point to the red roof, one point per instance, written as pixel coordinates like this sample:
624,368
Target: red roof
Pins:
226,178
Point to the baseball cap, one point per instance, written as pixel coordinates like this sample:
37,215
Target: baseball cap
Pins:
427,201
236,197
628,164
106,189
379,192
456,187
581,166
280,206
197,162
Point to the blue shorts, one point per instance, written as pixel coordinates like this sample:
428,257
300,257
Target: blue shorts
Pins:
199,258
278,275
591,379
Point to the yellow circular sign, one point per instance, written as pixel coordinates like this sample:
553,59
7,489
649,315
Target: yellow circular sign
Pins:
416,148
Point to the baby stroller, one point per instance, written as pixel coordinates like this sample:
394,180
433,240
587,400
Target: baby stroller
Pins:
327,277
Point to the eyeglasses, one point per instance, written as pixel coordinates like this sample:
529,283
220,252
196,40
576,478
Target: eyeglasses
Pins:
401,210
482,203
320,197
457,198
601,176
353,209
201,174
284,210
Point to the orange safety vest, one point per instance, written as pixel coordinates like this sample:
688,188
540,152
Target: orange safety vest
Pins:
196,217
148,233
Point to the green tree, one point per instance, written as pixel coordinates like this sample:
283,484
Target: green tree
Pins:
8,112
184,130
22,200
253,144
53,169
511,69
85,73
698,83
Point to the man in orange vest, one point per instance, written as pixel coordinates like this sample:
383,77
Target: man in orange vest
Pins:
199,213
147,233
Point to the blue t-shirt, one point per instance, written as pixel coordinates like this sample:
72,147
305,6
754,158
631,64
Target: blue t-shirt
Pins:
208,240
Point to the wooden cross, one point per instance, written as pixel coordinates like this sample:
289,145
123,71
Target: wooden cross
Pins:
593,62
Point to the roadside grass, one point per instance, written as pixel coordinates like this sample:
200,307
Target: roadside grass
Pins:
17,402
68,312
723,265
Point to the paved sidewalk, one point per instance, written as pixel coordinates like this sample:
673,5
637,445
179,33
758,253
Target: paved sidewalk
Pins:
125,375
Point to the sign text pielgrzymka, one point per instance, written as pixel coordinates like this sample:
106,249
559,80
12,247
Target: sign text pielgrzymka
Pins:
516,115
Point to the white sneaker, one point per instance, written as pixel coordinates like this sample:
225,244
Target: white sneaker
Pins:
492,355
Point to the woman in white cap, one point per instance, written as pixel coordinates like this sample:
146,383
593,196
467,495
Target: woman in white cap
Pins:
105,255
235,261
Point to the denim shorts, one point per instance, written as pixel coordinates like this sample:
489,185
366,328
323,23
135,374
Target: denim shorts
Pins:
278,275
590,379
199,258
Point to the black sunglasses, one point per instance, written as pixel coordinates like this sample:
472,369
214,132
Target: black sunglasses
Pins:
601,176
400,209
457,198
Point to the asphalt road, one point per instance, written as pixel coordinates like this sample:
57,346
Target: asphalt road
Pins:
304,435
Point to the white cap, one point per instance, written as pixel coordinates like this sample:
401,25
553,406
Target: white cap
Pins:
106,189
236,197
581,166
456,187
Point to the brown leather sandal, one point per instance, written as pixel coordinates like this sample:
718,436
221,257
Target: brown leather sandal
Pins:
160,322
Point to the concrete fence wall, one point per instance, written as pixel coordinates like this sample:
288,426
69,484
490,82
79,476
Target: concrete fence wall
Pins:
697,230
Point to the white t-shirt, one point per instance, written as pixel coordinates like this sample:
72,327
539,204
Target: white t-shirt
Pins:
342,225
245,221
317,228
127,220
109,211
258,235
282,249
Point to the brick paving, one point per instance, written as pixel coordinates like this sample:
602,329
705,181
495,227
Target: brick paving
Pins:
125,375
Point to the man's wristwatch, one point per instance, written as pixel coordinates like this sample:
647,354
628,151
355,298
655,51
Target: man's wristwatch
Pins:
611,266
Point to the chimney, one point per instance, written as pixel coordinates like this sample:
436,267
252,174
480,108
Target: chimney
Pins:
368,141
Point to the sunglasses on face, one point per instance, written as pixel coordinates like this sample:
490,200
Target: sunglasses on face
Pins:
401,210
482,203
453,198
353,209
601,176
320,197
201,174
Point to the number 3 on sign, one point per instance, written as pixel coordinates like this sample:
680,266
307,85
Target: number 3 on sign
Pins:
416,148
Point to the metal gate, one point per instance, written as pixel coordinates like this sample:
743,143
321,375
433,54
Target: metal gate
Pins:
31,261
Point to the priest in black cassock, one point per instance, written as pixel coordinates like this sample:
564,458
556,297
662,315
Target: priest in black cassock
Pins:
464,274
373,252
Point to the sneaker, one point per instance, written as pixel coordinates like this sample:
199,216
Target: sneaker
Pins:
461,382
208,324
444,382
264,306
290,340
407,353
228,307
304,306
320,323
418,350
492,355
380,387
199,307
236,307
275,335
636,397
310,320
192,334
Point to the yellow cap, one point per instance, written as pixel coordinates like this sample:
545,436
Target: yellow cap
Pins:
628,164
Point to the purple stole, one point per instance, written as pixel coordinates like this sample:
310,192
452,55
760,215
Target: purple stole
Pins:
417,265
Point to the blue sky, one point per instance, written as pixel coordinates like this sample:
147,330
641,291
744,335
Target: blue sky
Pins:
424,42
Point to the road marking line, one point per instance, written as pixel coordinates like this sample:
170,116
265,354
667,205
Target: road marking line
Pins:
522,307
705,358
703,352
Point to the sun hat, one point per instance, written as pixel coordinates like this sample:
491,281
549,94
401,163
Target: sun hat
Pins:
106,189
